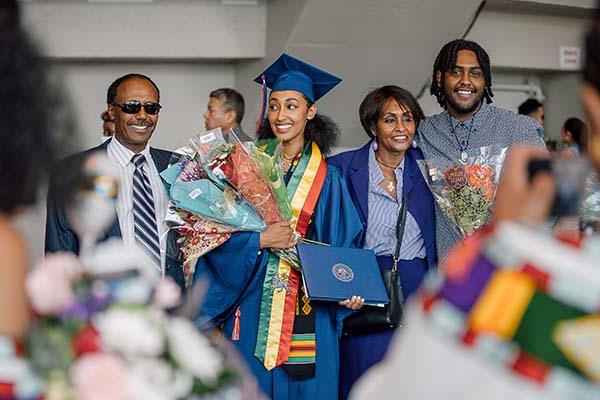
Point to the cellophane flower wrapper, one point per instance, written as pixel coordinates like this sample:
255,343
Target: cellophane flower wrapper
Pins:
109,335
254,174
203,210
590,207
272,170
465,192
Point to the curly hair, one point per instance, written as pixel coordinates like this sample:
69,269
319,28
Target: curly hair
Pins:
321,129
28,115
446,60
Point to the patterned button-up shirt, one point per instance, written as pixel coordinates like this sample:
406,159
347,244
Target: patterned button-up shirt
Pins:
443,138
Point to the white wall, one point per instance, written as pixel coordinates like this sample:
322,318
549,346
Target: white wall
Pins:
562,92
200,29
184,93
526,41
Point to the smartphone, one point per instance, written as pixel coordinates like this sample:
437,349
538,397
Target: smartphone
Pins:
570,176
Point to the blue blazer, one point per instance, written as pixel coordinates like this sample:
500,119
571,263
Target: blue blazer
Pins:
59,233
354,165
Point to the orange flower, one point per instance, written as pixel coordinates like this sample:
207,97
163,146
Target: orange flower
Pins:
488,190
479,175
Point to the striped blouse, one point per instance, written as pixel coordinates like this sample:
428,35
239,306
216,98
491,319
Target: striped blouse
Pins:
383,216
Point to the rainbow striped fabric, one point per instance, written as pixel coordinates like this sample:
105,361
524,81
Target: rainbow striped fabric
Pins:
303,349
527,301
280,286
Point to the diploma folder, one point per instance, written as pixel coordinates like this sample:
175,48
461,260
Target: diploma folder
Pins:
338,273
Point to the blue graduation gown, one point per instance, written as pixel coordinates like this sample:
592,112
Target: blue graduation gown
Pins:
238,266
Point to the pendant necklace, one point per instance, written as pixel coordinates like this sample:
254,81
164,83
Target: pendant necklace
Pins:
462,146
391,187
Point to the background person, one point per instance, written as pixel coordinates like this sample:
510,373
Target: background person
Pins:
108,125
534,109
225,110
573,135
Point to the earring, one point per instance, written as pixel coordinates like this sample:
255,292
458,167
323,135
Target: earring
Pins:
375,144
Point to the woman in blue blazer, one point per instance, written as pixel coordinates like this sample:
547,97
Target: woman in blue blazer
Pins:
378,176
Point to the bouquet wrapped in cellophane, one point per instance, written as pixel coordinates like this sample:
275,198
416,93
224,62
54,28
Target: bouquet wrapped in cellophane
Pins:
101,330
465,191
217,188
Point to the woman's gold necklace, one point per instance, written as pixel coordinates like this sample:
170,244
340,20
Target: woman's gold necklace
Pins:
391,186
289,161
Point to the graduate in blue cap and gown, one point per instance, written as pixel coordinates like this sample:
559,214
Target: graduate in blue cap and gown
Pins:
258,300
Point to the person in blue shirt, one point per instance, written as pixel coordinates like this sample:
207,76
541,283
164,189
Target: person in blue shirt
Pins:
380,175
289,343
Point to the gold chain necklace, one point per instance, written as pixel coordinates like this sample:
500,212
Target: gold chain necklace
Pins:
391,186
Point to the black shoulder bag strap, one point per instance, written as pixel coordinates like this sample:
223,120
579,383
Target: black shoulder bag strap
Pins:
400,223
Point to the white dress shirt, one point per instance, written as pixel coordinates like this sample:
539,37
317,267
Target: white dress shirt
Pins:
121,157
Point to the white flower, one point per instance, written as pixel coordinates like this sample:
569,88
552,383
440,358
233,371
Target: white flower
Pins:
156,379
131,332
49,285
113,257
166,293
193,351
100,376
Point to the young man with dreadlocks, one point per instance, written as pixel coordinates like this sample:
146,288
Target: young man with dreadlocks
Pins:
462,84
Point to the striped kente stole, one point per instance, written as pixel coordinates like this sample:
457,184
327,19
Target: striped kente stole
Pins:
280,287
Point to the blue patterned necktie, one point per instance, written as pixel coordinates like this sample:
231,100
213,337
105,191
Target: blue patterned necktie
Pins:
144,217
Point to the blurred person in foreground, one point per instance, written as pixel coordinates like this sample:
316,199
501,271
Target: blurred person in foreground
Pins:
27,117
515,315
383,177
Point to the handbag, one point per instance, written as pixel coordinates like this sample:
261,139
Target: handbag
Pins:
370,319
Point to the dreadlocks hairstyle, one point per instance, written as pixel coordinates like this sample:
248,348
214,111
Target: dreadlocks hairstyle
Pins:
446,60
321,129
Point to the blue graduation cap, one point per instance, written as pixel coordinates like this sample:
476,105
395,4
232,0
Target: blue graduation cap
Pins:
290,73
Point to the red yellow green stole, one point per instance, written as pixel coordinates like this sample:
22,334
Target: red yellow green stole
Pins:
280,287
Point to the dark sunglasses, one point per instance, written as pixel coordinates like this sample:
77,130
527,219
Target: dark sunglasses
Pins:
134,107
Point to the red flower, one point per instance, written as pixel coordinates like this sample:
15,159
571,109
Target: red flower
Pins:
456,177
87,340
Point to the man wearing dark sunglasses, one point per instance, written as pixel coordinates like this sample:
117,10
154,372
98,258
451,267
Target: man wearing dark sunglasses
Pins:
133,105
